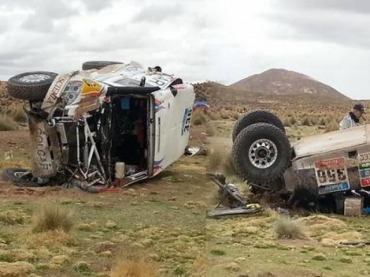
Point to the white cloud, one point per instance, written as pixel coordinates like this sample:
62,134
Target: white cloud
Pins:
197,40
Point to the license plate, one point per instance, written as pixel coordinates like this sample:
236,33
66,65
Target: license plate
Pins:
334,188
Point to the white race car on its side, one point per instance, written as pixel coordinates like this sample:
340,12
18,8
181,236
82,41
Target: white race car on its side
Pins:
106,123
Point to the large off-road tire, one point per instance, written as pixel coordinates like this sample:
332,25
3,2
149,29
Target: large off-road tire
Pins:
257,116
261,153
23,178
30,85
97,64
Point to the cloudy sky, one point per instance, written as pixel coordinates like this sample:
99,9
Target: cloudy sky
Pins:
217,40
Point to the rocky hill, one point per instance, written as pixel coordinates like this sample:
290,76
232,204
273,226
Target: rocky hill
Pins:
285,82
218,95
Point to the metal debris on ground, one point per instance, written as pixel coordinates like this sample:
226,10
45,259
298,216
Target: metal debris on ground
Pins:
231,199
196,151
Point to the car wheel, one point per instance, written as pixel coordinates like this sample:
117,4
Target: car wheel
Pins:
30,85
97,64
23,177
258,116
261,153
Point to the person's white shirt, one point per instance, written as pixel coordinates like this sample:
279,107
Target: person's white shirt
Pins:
347,122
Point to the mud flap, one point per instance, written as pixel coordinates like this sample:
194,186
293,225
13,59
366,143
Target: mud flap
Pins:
42,155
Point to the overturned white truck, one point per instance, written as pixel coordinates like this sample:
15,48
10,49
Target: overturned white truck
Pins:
334,164
108,122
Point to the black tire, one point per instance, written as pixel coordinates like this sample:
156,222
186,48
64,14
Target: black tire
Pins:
97,64
22,86
11,174
257,116
277,141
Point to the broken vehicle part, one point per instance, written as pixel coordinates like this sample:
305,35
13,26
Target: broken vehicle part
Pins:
231,199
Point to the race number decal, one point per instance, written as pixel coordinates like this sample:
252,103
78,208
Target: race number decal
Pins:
364,169
331,175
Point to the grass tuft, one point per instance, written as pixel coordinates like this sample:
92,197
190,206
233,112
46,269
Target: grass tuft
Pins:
287,228
52,217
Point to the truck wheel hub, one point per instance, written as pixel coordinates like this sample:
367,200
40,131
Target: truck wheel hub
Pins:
262,153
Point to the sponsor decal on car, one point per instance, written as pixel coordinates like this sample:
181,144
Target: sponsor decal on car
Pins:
364,168
331,175
55,91
91,88
186,121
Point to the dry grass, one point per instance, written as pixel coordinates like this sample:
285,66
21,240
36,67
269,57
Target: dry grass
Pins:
287,122
287,228
332,126
228,166
135,268
221,161
51,239
7,124
199,118
224,115
52,217
199,267
214,115
307,121
12,217
211,129
17,113
215,159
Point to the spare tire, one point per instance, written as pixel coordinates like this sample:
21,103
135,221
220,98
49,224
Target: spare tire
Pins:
97,64
257,116
261,153
30,85
23,177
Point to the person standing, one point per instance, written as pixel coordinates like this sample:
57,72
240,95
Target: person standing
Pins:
352,119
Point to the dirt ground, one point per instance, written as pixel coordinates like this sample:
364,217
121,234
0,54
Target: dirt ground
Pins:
165,219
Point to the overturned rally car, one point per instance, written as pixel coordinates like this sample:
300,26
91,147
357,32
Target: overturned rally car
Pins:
333,165
106,125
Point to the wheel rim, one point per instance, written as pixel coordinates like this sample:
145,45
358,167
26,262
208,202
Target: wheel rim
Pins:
21,174
34,78
262,153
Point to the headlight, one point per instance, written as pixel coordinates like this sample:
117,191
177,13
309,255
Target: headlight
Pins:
71,92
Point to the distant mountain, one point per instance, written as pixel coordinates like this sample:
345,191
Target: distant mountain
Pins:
285,82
